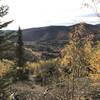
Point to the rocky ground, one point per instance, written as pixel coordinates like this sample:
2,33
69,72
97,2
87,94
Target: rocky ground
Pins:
84,89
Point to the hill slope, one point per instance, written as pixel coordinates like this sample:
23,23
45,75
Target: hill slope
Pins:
55,32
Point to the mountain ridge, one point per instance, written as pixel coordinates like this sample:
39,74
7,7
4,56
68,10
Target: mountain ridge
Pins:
50,33
55,32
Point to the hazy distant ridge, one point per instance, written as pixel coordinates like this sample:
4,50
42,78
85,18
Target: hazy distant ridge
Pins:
54,32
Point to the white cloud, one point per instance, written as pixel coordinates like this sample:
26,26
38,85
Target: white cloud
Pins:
36,13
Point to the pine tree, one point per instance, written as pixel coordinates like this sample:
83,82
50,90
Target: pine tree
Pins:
22,71
20,49
5,42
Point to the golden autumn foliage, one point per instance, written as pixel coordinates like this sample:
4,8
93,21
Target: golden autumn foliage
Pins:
72,55
36,67
95,57
88,49
81,53
66,56
5,65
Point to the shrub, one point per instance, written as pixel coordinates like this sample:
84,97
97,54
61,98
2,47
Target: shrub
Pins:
5,66
45,71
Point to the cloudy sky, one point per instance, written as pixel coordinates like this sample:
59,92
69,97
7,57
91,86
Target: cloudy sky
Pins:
38,13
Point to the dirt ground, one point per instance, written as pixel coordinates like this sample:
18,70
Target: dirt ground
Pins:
84,88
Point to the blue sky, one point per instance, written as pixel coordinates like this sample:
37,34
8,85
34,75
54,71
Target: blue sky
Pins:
38,13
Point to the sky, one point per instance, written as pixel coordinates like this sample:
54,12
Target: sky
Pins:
39,13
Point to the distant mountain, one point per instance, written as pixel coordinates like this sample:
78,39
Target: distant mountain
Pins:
48,41
51,33
46,33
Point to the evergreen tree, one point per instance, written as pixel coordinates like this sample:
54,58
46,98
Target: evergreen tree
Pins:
4,37
22,71
20,49
5,44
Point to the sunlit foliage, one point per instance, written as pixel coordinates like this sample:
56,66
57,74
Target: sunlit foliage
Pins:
5,66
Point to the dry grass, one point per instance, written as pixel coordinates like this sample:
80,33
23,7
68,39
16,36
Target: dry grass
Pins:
37,67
